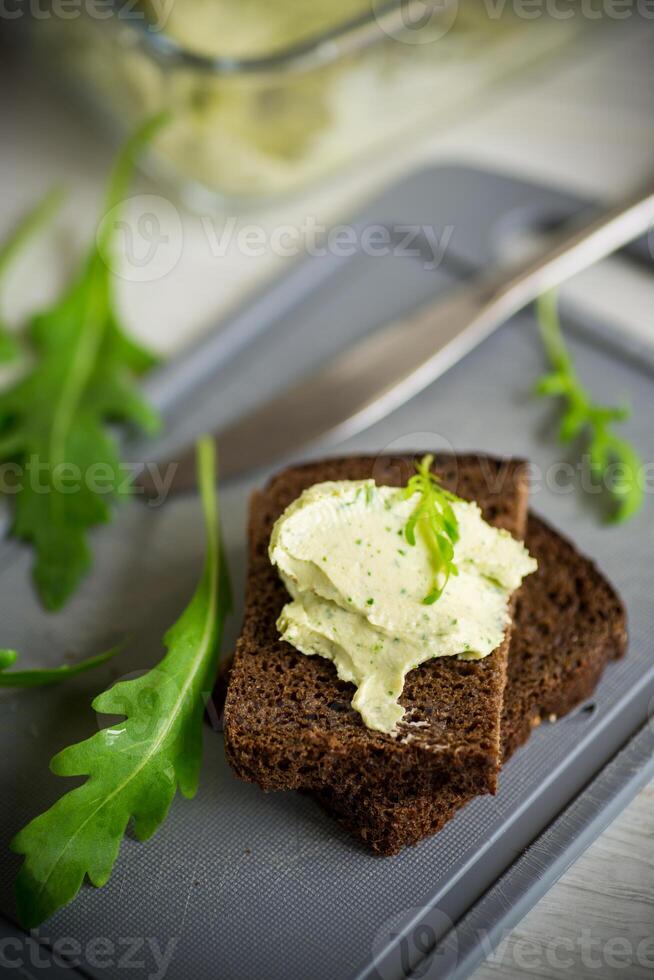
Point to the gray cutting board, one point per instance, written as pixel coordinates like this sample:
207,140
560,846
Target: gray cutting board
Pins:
245,885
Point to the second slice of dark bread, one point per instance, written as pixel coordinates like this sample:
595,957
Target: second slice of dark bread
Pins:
289,723
568,624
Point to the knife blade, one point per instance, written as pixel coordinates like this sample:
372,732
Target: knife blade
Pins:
383,371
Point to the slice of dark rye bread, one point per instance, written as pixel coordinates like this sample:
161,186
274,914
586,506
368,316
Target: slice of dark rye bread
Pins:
288,720
568,623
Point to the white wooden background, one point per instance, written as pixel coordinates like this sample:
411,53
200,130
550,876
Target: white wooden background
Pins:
585,123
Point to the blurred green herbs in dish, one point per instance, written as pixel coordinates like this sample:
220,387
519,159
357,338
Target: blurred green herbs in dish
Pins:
435,521
65,466
133,766
40,677
27,227
582,416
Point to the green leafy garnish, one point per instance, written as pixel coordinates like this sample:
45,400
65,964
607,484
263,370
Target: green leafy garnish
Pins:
26,228
582,415
435,521
47,675
53,422
135,765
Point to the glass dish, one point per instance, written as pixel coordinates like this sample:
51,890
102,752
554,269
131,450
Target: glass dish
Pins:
268,97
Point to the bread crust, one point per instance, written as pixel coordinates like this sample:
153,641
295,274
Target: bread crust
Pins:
568,624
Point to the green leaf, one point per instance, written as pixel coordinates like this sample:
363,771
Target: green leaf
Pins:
436,522
135,765
54,421
9,346
626,488
551,384
25,230
580,414
572,423
50,675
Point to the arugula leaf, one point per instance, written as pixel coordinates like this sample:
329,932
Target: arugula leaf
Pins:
26,228
135,766
582,415
53,422
48,675
436,522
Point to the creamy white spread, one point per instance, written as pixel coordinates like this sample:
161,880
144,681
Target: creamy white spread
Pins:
357,589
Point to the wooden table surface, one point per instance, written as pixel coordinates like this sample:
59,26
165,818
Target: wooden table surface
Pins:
597,922
584,123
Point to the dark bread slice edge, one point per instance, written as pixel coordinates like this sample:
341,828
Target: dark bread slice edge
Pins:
568,624
289,723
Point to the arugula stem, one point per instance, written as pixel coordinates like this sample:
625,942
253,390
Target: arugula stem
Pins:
75,381
583,415
121,174
550,332
42,676
207,477
28,226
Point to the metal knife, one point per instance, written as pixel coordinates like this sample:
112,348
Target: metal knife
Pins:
384,370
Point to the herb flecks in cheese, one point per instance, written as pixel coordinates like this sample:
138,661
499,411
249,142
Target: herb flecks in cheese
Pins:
358,587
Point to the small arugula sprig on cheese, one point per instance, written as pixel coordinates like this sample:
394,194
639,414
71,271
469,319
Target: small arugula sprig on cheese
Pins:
435,521
582,415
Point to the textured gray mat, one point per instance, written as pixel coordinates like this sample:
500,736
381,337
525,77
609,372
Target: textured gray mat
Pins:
238,885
